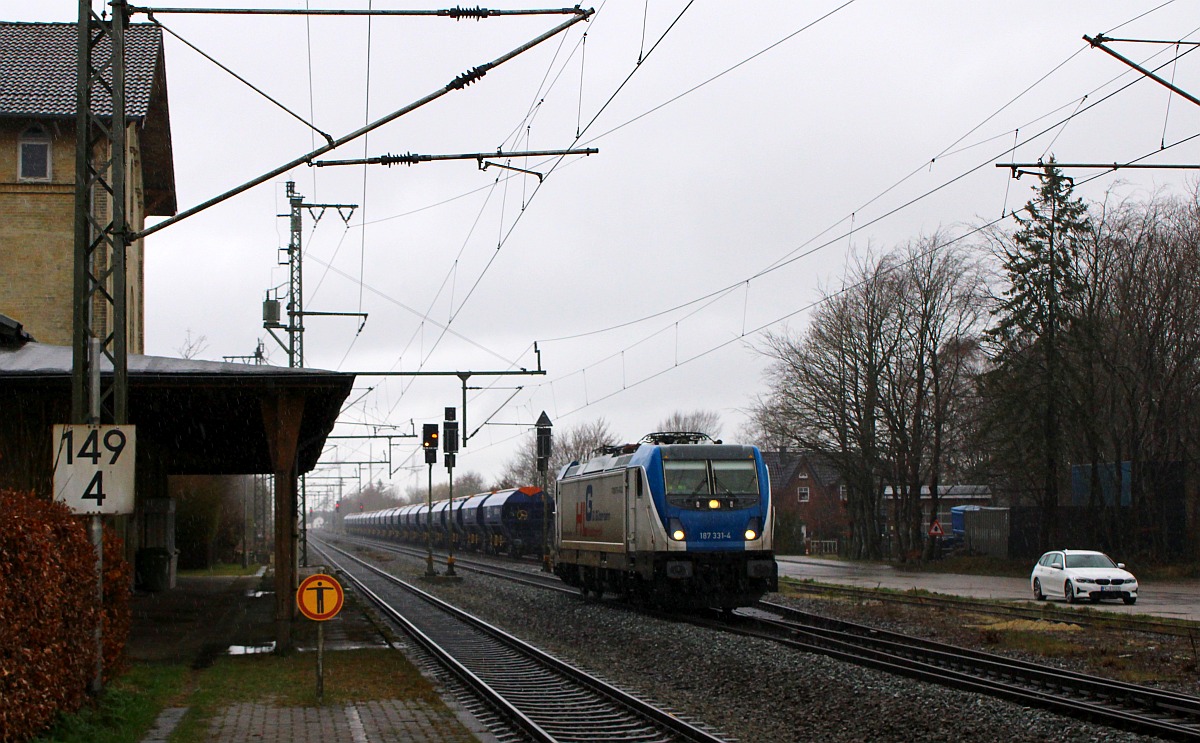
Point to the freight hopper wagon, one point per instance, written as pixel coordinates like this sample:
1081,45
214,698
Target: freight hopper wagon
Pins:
675,520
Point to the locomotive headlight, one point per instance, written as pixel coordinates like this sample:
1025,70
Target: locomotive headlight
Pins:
678,535
751,535
753,529
714,503
675,529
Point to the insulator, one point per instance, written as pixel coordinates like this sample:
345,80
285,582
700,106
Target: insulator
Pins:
467,78
478,13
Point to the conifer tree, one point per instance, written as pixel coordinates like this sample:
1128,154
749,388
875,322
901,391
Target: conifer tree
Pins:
1030,389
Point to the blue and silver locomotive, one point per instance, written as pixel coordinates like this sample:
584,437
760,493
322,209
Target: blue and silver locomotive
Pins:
676,520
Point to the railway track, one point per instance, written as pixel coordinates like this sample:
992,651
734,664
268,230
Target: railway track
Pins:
1129,706
539,579
542,697
1121,622
1113,703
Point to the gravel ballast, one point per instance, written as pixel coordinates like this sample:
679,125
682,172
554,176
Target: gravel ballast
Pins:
749,689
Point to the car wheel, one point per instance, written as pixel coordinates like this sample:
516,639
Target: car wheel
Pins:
1037,590
1069,591
1130,600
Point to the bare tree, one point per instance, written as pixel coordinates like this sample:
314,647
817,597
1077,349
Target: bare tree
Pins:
825,392
192,347
371,497
572,445
696,421
869,386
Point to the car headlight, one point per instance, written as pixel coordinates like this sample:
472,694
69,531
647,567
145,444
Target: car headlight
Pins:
1084,580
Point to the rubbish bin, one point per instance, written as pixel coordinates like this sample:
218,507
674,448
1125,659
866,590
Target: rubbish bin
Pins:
153,567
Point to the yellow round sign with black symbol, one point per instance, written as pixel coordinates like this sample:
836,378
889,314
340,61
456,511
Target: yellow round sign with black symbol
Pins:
319,597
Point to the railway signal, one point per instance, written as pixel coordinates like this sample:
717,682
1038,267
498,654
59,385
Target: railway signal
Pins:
450,447
429,442
450,432
545,445
545,442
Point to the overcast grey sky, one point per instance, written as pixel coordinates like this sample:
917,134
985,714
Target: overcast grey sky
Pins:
751,136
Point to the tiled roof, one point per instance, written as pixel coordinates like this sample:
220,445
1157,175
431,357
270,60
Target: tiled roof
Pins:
38,69
784,465
781,466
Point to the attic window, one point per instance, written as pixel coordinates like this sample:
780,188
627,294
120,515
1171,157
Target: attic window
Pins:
33,155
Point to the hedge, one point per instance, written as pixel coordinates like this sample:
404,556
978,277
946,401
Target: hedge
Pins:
48,612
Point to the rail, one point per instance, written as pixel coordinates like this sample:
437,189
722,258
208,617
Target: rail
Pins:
546,698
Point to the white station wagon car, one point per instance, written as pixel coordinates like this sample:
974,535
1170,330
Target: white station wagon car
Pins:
1080,574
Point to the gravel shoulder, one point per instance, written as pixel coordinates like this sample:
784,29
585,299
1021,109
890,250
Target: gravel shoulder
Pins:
753,690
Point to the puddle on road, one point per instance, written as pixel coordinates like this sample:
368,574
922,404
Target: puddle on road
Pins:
250,649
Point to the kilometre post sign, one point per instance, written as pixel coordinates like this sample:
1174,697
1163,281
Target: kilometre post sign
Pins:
94,468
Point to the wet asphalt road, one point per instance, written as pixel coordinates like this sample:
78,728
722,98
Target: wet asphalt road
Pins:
1173,599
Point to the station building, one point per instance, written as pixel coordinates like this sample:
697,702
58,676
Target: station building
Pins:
192,417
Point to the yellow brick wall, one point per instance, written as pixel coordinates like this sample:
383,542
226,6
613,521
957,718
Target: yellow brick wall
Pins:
37,240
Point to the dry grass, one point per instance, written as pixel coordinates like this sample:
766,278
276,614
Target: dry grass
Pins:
1134,657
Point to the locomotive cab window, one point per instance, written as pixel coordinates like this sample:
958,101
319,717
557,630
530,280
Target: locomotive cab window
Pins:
711,484
735,478
686,478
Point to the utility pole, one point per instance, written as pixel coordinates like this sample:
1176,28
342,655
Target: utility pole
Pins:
296,313
450,449
99,323
100,243
295,264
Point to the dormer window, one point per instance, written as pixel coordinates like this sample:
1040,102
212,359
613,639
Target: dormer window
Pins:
33,155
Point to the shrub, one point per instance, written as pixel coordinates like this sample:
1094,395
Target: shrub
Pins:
48,615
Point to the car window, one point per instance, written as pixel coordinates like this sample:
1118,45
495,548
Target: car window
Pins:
1090,561
1056,561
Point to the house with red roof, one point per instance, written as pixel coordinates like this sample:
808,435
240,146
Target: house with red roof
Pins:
810,501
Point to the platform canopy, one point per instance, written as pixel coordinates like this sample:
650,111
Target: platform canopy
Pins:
200,417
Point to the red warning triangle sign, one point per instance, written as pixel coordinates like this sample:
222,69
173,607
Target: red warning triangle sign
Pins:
935,529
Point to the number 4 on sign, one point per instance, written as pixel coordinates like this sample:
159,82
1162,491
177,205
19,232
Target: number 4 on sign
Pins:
95,489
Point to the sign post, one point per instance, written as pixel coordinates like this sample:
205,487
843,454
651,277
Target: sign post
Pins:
545,447
314,603
429,441
450,448
93,476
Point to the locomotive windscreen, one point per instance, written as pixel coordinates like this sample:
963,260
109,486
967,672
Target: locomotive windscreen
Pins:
727,483
735,478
